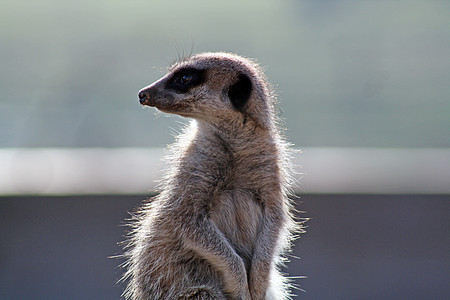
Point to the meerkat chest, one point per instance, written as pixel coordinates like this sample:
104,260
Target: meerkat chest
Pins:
238,215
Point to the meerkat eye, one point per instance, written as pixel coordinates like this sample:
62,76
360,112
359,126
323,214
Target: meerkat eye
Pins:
185,79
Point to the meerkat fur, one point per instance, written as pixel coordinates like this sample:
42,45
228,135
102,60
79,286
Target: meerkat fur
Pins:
222,221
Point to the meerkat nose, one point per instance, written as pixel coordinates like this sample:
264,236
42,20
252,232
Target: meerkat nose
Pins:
143,97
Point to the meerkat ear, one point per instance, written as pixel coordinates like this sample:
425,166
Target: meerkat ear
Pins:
240,91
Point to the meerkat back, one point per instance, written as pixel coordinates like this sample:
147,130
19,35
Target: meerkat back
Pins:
222,220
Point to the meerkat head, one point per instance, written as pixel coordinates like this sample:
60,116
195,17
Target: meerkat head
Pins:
215,87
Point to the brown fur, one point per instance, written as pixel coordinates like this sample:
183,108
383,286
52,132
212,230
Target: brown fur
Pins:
222,221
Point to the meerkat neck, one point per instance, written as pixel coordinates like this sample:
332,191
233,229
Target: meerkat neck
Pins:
246,136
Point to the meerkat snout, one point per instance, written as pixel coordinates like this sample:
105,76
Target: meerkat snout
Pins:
149,94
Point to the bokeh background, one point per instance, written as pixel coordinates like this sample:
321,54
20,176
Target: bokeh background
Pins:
349,75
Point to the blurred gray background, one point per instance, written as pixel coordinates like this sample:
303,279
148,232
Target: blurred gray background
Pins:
363,87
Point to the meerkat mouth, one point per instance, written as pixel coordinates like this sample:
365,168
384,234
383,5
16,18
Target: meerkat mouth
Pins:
178,109
161,105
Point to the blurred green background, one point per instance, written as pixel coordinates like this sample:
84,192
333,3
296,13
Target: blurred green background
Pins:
348,73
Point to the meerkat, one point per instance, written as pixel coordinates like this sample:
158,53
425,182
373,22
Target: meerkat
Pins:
222,221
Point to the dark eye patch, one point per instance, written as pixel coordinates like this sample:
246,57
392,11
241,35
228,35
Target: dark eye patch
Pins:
185,79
